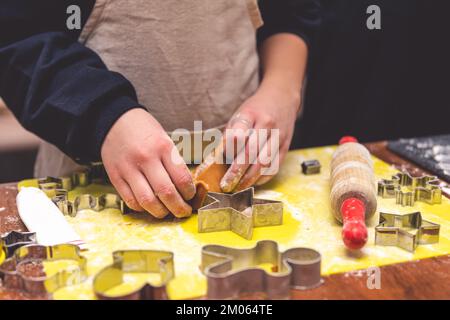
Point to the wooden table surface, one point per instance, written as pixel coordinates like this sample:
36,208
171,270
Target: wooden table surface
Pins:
423,279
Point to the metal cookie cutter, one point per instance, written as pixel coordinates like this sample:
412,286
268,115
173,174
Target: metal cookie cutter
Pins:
16,239
58,188
13,271
94,173
311,167
405,231
231,272
52,185
3,252
136,261
87,201
424,189
239,212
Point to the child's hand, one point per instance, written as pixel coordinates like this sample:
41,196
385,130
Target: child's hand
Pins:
145,167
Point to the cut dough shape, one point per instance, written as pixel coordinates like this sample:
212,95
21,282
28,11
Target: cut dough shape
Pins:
207,178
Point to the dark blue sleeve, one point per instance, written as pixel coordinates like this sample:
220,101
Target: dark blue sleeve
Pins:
300,17
55,86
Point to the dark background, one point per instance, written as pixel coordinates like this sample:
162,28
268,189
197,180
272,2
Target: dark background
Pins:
378,84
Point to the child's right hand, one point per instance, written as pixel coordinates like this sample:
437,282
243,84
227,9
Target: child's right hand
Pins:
145,167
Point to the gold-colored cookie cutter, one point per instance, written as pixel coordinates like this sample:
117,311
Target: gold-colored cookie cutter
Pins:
58,189
13,277
50,185
3,252
232,272
405,231
239,212
14,240
89,202
136,261
424,189
95,173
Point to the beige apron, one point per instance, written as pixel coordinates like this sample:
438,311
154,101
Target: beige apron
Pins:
188,60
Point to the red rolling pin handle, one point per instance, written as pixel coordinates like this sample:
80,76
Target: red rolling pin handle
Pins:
354,231
346,139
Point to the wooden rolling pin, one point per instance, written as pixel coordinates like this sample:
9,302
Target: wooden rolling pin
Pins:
353,191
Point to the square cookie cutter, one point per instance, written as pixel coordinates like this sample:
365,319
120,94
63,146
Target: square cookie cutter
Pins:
310,167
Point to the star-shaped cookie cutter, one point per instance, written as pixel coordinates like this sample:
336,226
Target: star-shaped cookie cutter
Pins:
136,261
232,272
16,239
13,270
405,231
239,212
424,189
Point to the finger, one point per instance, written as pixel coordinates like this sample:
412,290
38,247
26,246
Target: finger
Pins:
266,165
124,191
240,164
256,142
145,196
250,178
179,173
241,120
236,134
165,190
263,180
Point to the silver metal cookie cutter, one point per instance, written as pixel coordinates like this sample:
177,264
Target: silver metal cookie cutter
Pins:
239,212
58,188
95,173
89,202
141,261
310,167
424,189
405,231
16,239
232,272
13,270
